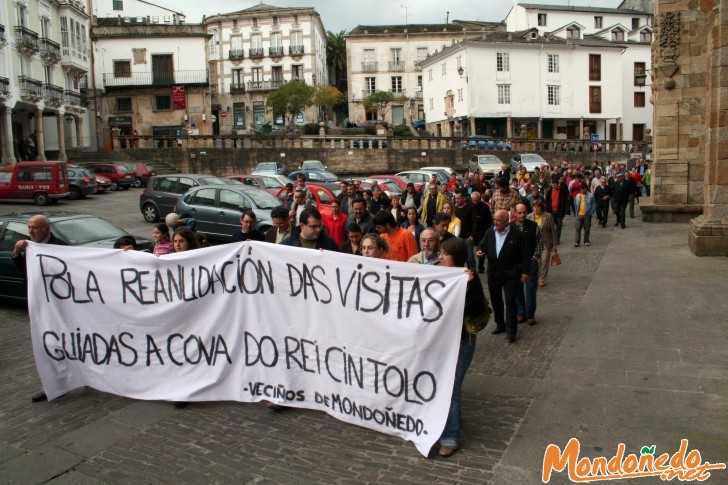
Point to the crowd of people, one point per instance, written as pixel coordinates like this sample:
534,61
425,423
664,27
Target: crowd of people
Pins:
513,222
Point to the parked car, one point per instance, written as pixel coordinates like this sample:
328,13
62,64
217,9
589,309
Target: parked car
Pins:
143,172
323,194
103,183
163,191
400,181
315,176
217,208
446,170
42,182
121,177
422,176
487,164
419,124
265,182
267,168
81,182
528,160
75,228
389,187
312,165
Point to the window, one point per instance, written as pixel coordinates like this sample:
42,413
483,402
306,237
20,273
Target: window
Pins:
25,66
639,99
231,200
163,102
297,71
296,37
123,105
502,62
618,35
459,61
595,67
155,19
639,71
118,5
45,28
429,74
236,47
432,103
213,48
237,77
277,73
421,53
122,68
553,60
239,115
370,84
460,94
205,197
638,132
257,73
635,23
48,71
396,55
554,95
595,99
504,94
368,55
598,22
443,66
645,36
167,19
275,39
22,14
542,20
419,81
397,84
256,41
573,33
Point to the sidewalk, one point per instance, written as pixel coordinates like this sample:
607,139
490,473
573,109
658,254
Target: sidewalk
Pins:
631,347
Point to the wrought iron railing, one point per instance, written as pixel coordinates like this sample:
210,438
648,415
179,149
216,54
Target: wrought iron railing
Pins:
50,50
26,38
236,54
256,52
53,94
369,67
264,85
237,88
4,86
295,50
72,98
396,66
276,51
156,78
30,87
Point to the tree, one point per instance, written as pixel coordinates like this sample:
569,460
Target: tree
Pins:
290,99
327,96
336,57
380,102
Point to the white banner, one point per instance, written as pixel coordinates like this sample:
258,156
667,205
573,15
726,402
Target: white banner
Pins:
371,342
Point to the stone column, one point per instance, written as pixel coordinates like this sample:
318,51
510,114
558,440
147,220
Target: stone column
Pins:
509,127
9,155
709,232
619,129
472,126
61,137
79,133
539,130
39,136
581,128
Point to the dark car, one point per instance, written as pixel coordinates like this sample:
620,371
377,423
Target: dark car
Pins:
75,228
315,176
217,209
266,182
121,177
142,170
81,182
163,191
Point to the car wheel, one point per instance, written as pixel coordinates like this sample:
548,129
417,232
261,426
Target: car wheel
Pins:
75,193
150,213
114,186
42,198
138,182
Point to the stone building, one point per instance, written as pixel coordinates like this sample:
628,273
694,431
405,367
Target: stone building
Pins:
689,80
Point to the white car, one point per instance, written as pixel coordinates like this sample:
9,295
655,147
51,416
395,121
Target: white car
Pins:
422,176
528,160
490,165
441,169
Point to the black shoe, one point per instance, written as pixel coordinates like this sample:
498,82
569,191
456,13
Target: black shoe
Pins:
624,227
511,339
497,331
40,397
616,224
481,270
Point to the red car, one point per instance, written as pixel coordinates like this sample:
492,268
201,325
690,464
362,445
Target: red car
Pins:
142,170
103,183
265,182
400,181
121,177
323,194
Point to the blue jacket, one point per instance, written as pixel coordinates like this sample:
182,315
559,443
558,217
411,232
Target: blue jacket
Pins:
589,207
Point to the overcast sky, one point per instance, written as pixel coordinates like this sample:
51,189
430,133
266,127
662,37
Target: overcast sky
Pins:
346,14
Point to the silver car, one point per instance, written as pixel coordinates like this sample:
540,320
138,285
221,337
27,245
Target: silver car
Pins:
528,160
217,209
487,164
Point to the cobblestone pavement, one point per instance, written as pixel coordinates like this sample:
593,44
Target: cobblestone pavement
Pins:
630,347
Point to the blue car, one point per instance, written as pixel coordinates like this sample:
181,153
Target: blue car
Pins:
317,176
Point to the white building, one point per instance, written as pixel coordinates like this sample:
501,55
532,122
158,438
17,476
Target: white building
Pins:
386,57
150,76
557,72
43,65
140,10
253,52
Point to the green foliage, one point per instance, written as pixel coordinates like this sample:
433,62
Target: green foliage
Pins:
290,99
380,102
327,96
313,129
402,130
336,50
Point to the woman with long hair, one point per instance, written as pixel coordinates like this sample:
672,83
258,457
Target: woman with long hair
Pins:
374,246
413,224
455,223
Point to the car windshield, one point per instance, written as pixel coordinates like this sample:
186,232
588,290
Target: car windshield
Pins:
270,182
262,199
313,165
85,230
123,169
330,176
532,159
87,173
271,167
214,181
232,182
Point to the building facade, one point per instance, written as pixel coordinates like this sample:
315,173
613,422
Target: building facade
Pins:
150,77
387,57
43,66
556,73
252,53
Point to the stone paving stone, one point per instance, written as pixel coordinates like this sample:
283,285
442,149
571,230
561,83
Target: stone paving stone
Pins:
26,468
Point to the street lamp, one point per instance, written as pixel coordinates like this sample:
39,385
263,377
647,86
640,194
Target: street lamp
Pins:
461,71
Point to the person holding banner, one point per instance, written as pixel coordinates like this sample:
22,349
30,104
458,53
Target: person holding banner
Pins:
248,231
185,240
454,254
374,246
39,231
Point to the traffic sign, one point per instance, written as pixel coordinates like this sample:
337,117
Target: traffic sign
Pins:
595,138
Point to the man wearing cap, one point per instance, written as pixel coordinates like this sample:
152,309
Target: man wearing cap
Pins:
505,197
620,199
584,206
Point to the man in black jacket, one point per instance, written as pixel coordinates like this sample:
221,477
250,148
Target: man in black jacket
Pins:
602,195
508,261
620,198
482,221
248,231
310,233
526,294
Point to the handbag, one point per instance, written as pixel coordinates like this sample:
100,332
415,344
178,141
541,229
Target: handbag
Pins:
555,259
473,325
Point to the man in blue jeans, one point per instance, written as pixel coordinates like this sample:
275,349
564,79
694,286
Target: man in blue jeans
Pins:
526,293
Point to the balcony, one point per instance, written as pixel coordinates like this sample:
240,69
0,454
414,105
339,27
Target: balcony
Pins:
237,88
30,89
236,54
256,53
3,40
397,92
265,85
367,92
72,98
26,40
368,67
53,94
4,88
276,51
165,78
295,50
50,51
418,93
396,66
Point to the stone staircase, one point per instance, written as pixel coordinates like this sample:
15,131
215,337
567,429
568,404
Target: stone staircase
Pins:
86,158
